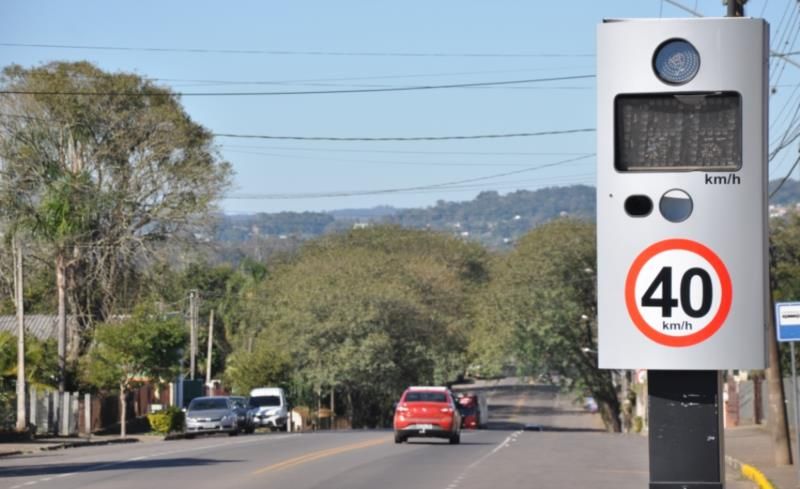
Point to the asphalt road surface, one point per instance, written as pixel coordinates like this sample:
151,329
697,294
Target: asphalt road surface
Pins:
571,451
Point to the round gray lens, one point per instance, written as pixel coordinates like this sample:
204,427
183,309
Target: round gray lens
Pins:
676,62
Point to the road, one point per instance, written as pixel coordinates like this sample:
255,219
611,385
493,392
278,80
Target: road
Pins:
571,451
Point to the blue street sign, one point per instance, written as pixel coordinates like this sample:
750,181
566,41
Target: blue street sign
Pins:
787,321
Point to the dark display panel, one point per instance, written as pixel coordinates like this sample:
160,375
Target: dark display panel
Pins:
678,132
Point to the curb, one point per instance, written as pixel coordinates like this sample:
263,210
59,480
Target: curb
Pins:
749,472
178,435
76,444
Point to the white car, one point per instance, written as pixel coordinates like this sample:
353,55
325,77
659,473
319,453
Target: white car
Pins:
269,407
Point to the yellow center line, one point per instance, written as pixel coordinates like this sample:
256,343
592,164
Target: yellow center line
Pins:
318,455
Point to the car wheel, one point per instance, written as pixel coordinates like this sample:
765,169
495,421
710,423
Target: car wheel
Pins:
250,430
233,432
398,438
455,439
190,437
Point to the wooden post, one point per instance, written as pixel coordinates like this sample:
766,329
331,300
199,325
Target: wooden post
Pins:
21,415
333,408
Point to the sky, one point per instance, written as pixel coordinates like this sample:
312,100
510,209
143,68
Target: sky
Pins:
202,46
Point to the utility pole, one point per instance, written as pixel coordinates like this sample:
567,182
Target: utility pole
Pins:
777,419
21,414
210,346
736,8
192,332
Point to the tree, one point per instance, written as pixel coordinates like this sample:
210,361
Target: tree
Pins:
368,312
40,370
100,167
541,308
142,348
267,365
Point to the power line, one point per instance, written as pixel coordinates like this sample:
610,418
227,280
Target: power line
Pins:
375,139
385,162
398,151
413,138
298,53
443,185
772,52
355,78
297,92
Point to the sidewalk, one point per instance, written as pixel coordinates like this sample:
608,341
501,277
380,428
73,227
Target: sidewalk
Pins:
752,445
57,443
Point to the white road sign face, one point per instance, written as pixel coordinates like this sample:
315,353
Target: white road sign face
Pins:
789,314
787,321
678,292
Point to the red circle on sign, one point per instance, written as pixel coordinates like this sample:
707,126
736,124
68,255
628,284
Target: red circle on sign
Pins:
725,299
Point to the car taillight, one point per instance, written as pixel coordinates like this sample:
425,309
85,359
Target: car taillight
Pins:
446,410
401,408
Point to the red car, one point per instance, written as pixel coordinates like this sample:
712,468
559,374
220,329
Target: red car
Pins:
428,412
470,411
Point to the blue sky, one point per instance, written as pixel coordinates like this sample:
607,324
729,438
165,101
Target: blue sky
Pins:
326,45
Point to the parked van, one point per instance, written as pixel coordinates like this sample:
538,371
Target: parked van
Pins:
269,407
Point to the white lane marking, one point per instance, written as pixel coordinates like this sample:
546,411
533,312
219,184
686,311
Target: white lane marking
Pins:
503,444
499,447
143,457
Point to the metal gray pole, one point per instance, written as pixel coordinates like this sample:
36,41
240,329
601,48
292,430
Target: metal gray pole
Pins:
796,406
65,405
87,414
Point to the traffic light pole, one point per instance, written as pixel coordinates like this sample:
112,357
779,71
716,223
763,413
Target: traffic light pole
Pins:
686,437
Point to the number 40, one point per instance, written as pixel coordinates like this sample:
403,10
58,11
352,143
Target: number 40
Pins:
666,302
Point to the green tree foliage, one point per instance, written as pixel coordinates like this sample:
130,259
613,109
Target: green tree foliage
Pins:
40,371
269,364
368,313
539,313
785,263
101,167
142,348
40,361
785,268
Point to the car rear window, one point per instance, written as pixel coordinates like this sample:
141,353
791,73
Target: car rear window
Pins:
466,410
259,401
205,404
426,397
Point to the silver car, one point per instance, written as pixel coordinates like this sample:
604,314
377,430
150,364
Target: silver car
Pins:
212,415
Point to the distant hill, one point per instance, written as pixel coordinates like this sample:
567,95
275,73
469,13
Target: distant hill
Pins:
498,220
788,194
493,219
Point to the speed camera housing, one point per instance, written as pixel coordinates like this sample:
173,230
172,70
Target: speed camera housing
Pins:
682,193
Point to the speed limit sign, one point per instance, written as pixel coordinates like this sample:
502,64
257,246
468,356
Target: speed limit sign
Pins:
682,221
678,292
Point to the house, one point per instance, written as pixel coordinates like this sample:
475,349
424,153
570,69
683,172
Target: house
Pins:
42,326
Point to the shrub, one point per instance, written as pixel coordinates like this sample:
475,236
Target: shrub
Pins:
166,421
638,424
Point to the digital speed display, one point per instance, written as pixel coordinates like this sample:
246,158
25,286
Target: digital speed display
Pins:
678,132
